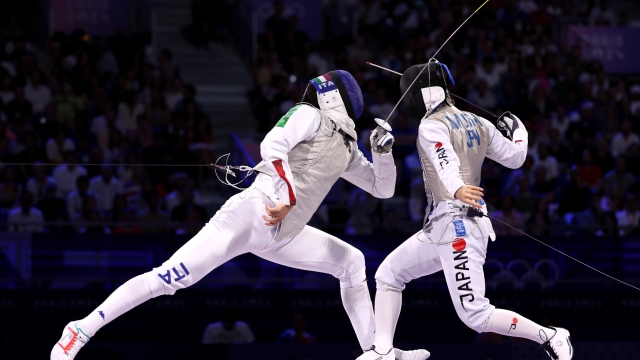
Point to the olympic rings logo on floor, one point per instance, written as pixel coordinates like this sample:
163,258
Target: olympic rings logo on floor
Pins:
519,272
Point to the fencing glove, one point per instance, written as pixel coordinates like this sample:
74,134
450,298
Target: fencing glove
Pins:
509,123
381,140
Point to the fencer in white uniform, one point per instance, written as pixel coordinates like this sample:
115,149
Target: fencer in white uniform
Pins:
311,146
452,145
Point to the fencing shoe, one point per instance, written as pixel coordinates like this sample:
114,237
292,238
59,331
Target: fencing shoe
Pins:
372,354
558,346
419,354
73,339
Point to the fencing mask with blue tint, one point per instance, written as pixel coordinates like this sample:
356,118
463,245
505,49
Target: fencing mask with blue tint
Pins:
337,88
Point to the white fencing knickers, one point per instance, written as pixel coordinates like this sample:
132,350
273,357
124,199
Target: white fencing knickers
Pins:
460,256
238,228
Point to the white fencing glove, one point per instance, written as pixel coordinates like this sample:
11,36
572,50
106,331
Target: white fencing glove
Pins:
509,123
381,140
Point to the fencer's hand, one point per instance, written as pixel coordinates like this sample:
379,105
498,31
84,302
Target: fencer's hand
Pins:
508,123
470,195
276,214
381,140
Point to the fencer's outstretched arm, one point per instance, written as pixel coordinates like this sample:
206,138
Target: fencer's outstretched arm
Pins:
300,123
378,179
508,153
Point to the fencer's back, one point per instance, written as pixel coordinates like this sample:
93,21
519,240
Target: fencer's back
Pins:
469,138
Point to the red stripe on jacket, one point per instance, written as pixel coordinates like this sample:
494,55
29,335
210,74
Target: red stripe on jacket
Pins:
280,170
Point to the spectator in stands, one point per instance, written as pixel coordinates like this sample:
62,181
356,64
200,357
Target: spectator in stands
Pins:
25,218
135,187
125,171
188,96
229,330
189,209
39,182
633,159
102,125
634,104
390,224
174,93
297,333
602,157
483,96
113,151
158,112
602,15
488,72
153,214
509,214
106,186
361,207
575,195
382,108
19,107
628,219
590,174
29,152
277,30
66,174
623,139
541,185
560,120
68,106
558,149
128,223
6,89
52,207
36,92
118,208
175,198
76,197
10,189
128,111
618,177
90,220
547,161
58,145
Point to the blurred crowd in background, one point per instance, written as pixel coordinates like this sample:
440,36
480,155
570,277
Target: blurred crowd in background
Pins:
584,150
75,99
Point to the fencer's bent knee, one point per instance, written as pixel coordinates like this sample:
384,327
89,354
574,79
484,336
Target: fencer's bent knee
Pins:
476,319
387,279
167,279
155,285
354,271
380,286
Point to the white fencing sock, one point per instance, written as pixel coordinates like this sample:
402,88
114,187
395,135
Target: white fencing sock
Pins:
388,306
508,323
357,303
129,295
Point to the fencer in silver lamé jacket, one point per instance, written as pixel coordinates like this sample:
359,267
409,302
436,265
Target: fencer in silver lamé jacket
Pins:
316,164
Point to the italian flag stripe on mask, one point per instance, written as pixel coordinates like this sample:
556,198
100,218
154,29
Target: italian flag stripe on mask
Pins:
322,78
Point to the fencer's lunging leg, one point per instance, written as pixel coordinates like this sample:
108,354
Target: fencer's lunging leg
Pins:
388,306
412,259
357,303
235,229
508,323
318,251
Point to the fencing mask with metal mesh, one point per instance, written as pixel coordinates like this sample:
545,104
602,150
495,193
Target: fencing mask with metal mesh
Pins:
337,88
429,88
